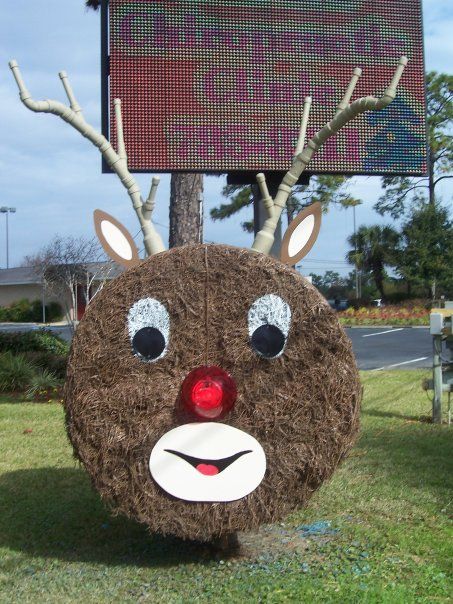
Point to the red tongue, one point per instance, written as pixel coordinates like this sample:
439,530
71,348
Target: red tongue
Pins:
207,469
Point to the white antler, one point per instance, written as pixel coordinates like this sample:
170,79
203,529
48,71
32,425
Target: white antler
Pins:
345,113
117,161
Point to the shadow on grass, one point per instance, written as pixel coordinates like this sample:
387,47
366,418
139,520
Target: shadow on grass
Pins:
426,419
53,512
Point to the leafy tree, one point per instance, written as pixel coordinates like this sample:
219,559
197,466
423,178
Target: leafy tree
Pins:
398,190
374,248
331,284
326,189
426,249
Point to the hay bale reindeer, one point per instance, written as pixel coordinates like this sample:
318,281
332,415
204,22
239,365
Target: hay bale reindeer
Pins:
210,389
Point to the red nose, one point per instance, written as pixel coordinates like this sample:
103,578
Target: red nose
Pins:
208,392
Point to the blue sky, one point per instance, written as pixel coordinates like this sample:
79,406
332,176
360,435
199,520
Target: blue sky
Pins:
52,175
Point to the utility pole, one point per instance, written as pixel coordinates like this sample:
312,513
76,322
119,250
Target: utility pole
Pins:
355,254
5,210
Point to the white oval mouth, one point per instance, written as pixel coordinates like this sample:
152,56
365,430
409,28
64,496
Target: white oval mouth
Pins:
207,462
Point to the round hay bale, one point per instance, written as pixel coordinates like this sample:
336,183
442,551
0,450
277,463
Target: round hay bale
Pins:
301,405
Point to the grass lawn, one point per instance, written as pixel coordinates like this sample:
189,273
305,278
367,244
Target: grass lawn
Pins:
389,508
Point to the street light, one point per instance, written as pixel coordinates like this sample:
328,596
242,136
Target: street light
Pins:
5,210
358,284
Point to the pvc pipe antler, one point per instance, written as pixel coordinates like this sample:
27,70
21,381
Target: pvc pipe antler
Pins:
117,161
345,113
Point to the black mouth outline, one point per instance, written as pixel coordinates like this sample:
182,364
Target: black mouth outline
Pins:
220,464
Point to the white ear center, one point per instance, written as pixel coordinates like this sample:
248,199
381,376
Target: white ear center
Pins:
301,235
116,239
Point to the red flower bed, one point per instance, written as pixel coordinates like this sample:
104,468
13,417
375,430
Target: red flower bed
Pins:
386,315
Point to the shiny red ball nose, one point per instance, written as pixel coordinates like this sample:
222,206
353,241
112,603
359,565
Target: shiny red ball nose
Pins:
208,392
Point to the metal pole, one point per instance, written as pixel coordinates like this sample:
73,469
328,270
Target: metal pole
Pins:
7,241
43,302
355,253
6,210
201,210
437,379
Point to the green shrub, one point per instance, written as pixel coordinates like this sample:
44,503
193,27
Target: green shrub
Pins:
43,384
16,373
357,303
49,342
24,311
20,311
4,314
33,341
54,363
396,297
54,312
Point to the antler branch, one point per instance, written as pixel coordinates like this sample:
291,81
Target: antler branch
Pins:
148,208
303,126
345,113
267,199
117,161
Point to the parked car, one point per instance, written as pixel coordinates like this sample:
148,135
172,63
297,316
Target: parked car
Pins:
339,304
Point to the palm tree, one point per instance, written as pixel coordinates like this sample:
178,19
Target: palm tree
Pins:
374,248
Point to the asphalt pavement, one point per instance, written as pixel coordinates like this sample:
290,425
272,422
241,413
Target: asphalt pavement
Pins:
387,348
374,347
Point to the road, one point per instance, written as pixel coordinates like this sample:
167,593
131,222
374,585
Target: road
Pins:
374,347
383,348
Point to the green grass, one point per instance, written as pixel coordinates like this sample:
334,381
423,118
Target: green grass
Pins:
390,501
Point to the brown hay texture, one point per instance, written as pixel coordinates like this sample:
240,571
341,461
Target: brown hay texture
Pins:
302,407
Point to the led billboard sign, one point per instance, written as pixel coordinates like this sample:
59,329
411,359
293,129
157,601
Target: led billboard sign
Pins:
218,86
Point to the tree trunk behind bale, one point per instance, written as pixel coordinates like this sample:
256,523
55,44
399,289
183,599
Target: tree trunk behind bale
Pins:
186,192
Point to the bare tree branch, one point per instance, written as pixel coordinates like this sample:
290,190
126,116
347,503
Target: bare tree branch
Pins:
442,178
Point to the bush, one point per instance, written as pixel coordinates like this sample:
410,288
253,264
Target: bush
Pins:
357,303
20,311
33,341
16,373
24,311
44,385
54,311
396,297
49,361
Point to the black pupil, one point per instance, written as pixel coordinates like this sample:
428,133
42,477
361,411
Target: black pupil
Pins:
149,342
268,340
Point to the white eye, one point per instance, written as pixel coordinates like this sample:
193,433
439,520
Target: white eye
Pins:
149,329
269,321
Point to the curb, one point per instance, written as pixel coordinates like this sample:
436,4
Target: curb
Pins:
385,326
33,325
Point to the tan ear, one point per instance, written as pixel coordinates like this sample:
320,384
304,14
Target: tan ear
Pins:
115,239
301,234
